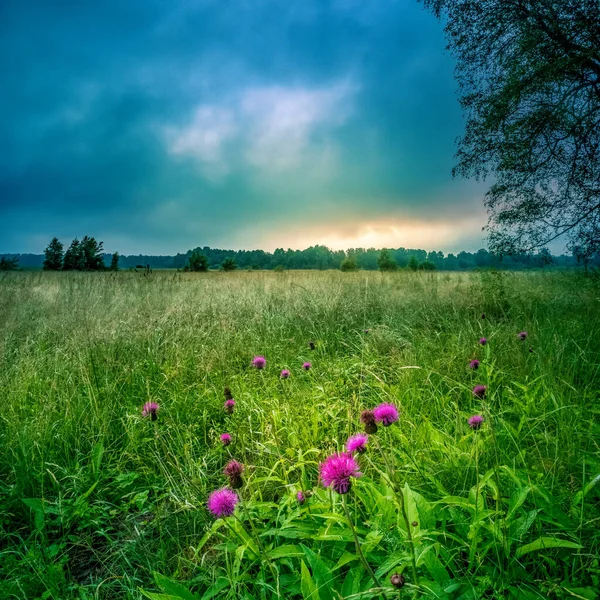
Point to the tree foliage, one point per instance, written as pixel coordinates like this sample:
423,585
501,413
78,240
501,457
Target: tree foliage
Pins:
84,255
529,77
197,262
114,262
9,264
349,264
53,256
229,265
386,261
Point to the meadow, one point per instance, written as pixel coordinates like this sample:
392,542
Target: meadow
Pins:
98,501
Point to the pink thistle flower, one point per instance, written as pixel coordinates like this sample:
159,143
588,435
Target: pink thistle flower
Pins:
474,364
357,443
475,422
259,362
151,408
300,497
306,366
226,439
337,470
522,336
386,414
221,503
368,419
229,405
285,374
234,469
479,391
483,341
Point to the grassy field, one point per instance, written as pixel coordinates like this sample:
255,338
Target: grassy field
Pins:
97,501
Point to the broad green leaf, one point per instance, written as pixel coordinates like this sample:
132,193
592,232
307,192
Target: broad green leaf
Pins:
215,588
346,558
97,453
173,588
321,573
155,596
307,585
351,583
285,551
516,500
546,542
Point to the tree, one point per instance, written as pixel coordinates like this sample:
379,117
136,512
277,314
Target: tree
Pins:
413,263
197,262
529,75
427,265
9,264
92,254
349,264
53,260
386,262
74,257
114,262
229,265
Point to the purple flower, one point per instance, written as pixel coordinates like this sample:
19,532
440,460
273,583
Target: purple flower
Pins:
483,341
386,414
475,422
306,366
221,503
284,374
479,391
226,439
151,408
357,443
474,364
300,497
368,419
337,470
522,336
229,405
234,469
259,362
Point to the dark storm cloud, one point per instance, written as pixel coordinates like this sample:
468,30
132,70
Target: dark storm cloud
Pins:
159,126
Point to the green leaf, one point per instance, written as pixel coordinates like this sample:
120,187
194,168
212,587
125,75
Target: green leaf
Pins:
346,558
286,551
307,585
546,542
351,585
215,588
173,588
516,500
37,506
155,596
97,453
321,573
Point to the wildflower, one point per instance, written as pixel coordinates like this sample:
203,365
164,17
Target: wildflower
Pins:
522,336
386,414
479,391
483,341
300,497
337,470
227,392
229,405
285,374
234,469
397,580
311,345
221,503
151,408
259,362
306,366
474,364
368,419
357,443
475,422
226,439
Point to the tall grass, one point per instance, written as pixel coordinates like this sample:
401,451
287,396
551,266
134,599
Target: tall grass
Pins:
96,502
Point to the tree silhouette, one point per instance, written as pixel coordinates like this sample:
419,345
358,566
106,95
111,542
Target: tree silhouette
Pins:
53,260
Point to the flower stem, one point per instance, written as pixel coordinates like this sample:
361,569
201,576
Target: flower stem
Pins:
400,495
358,548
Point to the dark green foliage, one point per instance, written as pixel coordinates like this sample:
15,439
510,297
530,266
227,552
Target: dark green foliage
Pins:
53,256
229,265
197,263
84,255
349,264
529,73
386,262
74,257
427,266
413,263
9,264
114,262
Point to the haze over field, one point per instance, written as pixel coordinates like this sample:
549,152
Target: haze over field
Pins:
160,127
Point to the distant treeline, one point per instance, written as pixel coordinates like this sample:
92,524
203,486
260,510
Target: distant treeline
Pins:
321,257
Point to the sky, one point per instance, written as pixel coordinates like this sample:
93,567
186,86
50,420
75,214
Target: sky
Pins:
163,125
